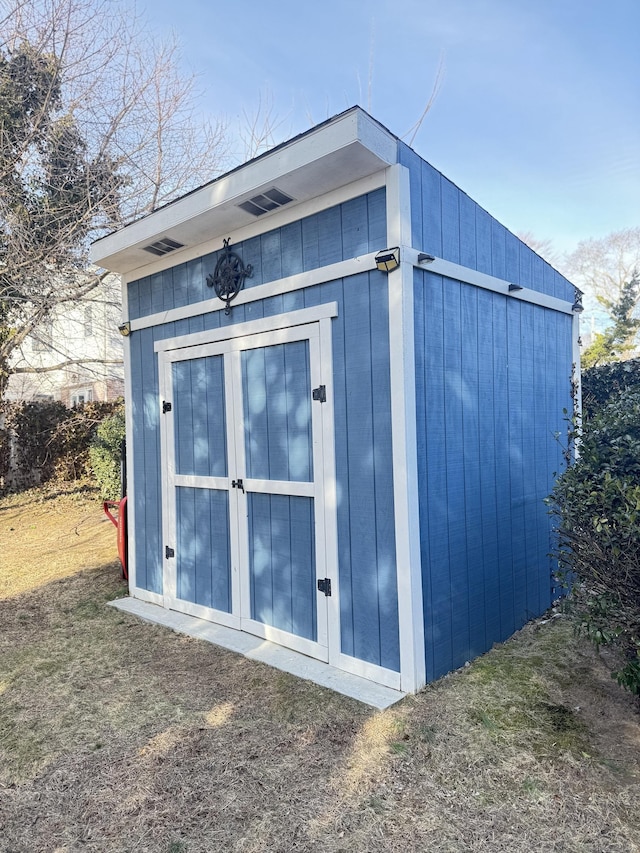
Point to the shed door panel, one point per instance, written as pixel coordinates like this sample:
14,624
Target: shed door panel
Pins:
246,513
278,450
202,540
282,563
276,388
203,564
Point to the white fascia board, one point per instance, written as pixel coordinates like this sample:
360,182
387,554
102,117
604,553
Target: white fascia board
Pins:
350,147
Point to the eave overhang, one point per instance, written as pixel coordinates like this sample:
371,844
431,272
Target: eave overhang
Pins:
342,150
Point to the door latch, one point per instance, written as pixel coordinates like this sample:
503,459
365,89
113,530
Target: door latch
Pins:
237,484
324,585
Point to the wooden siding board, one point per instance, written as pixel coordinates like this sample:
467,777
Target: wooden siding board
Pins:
432,211
330,236
271,254
490,446
355,227
303,577
511,258
501,428
386,576
359,386
148,484
497,244
468,246
291,242
473,463
133,300
376,220
144,293
137,356
310,243
450,212
531,424
438,610
180,285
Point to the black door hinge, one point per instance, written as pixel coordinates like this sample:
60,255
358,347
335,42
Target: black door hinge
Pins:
320,393
324,585
169,552
166,407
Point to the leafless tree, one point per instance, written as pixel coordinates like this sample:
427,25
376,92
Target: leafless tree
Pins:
603,266
97,128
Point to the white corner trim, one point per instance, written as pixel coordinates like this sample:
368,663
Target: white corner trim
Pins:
576,379
129,453
404,438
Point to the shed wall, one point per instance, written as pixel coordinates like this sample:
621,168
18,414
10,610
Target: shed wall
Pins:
446,223
365,512
352,228
493,376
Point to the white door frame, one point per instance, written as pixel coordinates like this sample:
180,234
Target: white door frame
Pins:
230,342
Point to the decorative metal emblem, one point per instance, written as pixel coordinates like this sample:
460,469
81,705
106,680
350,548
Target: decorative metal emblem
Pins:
577,306
229,275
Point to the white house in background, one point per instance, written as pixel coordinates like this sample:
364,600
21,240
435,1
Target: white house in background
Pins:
85,338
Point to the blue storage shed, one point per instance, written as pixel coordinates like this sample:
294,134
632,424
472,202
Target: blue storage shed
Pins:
345,386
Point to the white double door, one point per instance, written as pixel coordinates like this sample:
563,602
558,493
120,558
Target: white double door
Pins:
248,487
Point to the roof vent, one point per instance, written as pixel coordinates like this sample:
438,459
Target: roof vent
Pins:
163,246
266,201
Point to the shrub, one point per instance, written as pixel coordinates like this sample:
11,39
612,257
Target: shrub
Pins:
600,384
45,441
597,501
105,454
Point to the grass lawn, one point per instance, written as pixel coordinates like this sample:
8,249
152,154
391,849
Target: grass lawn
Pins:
117,735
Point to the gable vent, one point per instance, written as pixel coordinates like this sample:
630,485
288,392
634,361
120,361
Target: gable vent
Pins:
163,247
266,201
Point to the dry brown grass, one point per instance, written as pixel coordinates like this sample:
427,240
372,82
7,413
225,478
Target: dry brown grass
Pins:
116,735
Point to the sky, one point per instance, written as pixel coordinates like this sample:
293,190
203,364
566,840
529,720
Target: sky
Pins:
537,113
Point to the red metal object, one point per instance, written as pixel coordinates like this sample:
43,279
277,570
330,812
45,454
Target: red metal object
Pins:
120,522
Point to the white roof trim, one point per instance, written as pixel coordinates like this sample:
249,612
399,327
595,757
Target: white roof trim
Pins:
345,149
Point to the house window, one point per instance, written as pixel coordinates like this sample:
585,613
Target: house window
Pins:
78,398
41,338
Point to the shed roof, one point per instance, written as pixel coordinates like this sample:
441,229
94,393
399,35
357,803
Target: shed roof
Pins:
343,149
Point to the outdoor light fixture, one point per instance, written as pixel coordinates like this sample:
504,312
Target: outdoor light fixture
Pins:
577,306
388,259
125,329
423,256
513,287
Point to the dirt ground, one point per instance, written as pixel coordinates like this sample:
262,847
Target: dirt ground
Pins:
117,735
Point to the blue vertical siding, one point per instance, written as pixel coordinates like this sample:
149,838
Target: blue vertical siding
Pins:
200,419
282,563
353,228
202,547
491,386
277,412
442,224
361,385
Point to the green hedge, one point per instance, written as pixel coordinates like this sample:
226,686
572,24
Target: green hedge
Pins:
597,502
45,441
105,455
601,384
